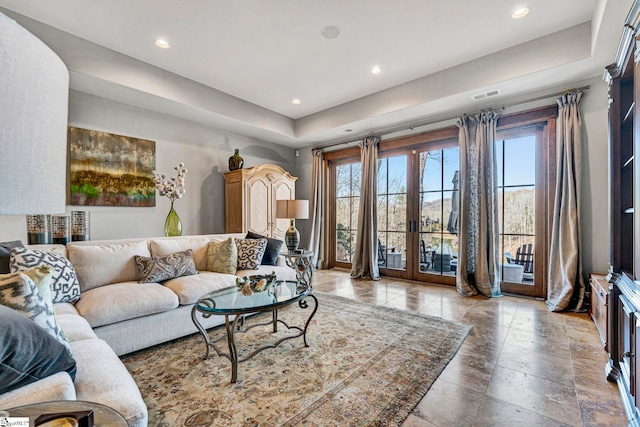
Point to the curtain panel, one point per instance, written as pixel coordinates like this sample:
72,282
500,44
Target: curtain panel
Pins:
565,284
478,271
317,201
365,260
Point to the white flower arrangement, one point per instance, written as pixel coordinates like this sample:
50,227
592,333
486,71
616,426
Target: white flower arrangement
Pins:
173,187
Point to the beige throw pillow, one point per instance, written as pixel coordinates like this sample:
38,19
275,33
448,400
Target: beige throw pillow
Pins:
222,257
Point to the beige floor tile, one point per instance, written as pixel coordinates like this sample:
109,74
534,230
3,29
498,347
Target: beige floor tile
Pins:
496,413
448,404
544,397
413,421
539,364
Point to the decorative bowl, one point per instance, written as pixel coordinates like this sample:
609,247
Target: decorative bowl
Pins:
256,283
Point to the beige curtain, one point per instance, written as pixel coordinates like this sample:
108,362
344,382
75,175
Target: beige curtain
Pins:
365,260
478,271
565,285
316,202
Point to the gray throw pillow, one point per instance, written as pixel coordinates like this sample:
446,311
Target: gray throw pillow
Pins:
159,269
250,253
28,353
5,254
272,250
64,282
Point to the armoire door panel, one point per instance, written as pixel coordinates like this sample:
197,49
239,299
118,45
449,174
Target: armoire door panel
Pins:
259,205
281,190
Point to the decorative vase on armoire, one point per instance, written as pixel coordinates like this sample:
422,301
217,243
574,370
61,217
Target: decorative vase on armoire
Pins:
235,161
172,225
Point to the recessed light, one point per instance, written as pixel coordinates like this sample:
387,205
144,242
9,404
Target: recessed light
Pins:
376,69
161,43
521,12
330,32
296,101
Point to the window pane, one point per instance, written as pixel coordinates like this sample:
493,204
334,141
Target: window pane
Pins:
382,176
343,181
382,202
431,211
520,161
431,170
450,166
397,212
355,179
397,180
519,210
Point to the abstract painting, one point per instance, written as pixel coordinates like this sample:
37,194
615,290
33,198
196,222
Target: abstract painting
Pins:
110,170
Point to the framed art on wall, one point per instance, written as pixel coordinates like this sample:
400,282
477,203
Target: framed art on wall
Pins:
110,170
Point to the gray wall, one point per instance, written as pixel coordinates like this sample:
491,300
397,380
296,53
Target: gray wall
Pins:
594,206
204,150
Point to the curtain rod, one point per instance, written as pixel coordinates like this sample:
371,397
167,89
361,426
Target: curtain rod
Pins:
419,124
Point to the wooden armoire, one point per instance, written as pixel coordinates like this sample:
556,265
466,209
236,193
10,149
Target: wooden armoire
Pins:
250,199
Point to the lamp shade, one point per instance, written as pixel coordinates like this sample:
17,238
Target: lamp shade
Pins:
292,209
34,104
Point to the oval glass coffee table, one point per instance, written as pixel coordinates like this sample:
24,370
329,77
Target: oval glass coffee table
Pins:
233,305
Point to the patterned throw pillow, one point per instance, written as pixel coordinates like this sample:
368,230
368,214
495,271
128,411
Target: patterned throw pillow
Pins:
41,277
64,282
18,292
250,253
222,257
274,246
158,269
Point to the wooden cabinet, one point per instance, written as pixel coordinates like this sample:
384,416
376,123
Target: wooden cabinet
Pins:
599,304
623,310
250,200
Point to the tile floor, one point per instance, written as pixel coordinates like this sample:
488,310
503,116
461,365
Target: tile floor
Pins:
520,365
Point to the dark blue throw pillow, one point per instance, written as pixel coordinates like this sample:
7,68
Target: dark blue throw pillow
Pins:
5,254
273,248
28,353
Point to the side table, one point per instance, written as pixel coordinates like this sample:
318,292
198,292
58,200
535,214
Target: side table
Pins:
301,263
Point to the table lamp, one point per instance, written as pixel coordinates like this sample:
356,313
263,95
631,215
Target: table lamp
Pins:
292,210
34,84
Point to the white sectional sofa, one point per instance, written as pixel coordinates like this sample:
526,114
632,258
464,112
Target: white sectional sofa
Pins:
116,315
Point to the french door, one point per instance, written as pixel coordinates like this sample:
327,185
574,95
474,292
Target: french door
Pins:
417,212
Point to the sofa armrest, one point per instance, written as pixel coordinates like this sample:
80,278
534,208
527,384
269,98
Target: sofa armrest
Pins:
54,387
281,261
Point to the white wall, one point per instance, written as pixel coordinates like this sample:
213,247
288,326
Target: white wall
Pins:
595,184
204,150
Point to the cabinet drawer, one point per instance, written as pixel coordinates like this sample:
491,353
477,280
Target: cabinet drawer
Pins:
599,303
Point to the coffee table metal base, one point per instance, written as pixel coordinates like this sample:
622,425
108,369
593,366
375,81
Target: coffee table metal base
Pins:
237,325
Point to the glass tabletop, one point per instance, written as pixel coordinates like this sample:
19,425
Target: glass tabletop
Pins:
231,300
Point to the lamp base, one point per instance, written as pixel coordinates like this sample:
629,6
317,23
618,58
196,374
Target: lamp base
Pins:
292,238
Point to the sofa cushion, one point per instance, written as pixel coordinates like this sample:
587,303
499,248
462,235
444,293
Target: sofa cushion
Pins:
190,289
250,253
19,293
28,353
116,389
158,269
5,254
54,387
64,282
123,301
273,248
102,265
222,257
75,327
64,308
168,246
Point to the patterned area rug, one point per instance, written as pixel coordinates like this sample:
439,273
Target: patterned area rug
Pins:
365,365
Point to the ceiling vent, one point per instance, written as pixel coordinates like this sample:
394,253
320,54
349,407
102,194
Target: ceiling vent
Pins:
484,95
344,131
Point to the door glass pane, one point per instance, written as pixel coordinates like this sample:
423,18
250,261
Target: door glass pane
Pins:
392,212
516,160
439,209
347,203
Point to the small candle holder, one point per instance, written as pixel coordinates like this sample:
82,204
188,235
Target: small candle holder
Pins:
61,229
80,226
39,229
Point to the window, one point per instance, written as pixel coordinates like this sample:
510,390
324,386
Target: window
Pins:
347,184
